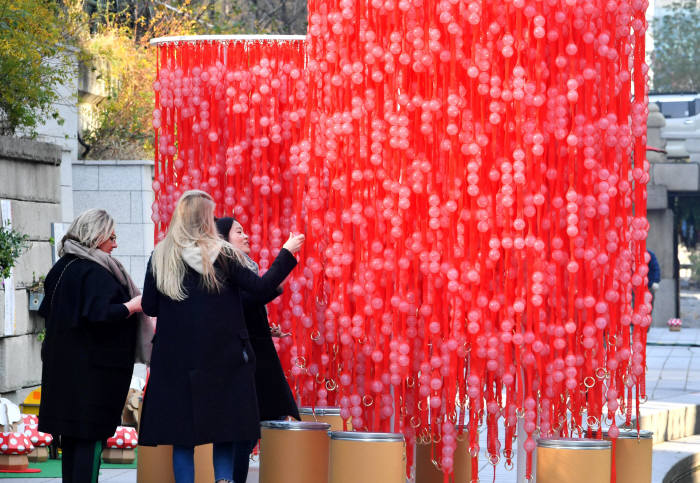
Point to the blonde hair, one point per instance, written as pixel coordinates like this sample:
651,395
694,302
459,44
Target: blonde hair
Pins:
192,224
91,228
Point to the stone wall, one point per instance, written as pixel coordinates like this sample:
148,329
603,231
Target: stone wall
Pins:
123,188
64,133
30,191
668,179
660,241
660,216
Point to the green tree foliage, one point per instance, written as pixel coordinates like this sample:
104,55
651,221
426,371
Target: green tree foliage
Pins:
116,34
119,39
12,245
122,125
286,17
32,62
675,59
111,37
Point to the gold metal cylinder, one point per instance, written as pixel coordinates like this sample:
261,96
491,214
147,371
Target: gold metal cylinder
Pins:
155,464
324,415
427,467
294,452
367,458
573,461
633,456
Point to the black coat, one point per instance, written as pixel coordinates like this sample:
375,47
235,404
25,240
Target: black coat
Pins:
88,352
275,398
201,387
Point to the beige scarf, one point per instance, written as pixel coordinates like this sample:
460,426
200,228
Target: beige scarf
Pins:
192,255
147,325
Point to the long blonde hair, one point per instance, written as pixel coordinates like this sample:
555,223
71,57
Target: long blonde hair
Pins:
192,224
91,228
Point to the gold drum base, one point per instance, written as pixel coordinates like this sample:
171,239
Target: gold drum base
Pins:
367,457
155,464
324,415
428,472
294,452
573,461
633,456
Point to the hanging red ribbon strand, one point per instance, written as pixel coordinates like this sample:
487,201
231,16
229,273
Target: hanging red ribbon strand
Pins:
471,180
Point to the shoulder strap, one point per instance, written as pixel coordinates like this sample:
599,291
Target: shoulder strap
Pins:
55,287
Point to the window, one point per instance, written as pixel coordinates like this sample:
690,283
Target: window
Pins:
677,106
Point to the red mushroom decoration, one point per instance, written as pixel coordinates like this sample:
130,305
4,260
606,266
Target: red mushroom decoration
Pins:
120,447
30,419
40,440
14,448
674,325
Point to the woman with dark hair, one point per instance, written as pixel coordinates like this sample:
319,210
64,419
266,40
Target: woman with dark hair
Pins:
201,387
91,310
275,398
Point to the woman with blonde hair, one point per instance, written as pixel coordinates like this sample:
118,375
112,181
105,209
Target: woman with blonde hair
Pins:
92,319
201,387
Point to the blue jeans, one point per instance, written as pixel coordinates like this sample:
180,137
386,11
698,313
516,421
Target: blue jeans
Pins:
227,457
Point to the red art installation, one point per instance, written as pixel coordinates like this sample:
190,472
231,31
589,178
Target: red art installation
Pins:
229,116
471,179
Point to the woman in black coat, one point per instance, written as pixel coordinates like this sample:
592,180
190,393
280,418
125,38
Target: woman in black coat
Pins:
88,353
275,398
201,387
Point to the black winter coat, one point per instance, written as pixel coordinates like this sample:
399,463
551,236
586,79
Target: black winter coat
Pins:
275,398
88,352
201,387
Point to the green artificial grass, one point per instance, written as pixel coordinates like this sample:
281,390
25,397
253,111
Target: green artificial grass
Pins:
52,469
